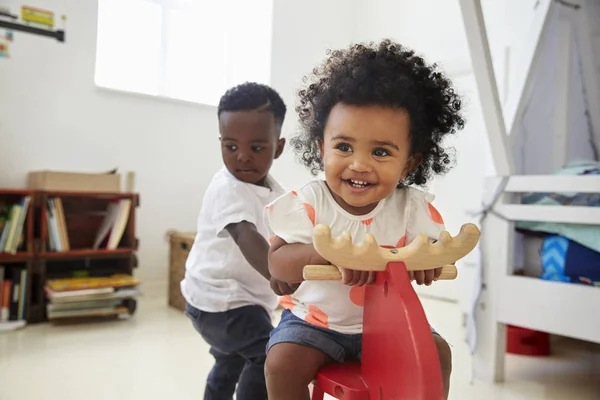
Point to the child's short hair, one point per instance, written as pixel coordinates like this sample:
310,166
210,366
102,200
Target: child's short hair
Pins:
386,74
253,96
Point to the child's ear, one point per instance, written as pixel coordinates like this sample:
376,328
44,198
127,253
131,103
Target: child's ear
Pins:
280,147
412,163
321,150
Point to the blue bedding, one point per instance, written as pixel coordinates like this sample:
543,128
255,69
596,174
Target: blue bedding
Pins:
564,260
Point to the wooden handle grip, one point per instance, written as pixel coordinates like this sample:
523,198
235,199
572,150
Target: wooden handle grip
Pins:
332,273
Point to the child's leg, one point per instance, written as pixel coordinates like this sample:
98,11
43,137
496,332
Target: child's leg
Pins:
223,377
297,350
290,368
445,356
238,339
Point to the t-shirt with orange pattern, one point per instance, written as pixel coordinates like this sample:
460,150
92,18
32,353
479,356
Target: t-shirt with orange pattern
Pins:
395,221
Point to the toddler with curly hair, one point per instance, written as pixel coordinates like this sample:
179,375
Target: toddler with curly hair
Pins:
373,118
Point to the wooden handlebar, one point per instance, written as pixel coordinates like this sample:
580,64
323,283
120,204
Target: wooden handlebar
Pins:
332,273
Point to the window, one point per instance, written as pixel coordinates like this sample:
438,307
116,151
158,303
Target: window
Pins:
190,50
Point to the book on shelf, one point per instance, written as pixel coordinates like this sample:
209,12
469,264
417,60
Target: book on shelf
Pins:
13,293
90,296
85,283
113,225
109,233
12,223
93,295
58,236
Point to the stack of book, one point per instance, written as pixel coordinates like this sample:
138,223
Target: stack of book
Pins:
12,221
91,297
13,295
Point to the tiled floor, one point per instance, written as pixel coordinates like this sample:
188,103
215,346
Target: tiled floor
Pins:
158,355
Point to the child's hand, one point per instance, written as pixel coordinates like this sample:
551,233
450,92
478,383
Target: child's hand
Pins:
281,288
425,277
352,277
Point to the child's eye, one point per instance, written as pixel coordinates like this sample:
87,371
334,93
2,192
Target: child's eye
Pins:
344,147
257,148
381,152
231,147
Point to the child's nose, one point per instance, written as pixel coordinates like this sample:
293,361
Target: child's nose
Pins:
244,157
360,164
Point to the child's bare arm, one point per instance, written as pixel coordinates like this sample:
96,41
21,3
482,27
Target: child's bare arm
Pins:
253,245
287,260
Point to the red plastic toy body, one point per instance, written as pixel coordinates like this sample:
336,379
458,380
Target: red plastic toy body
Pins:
399,356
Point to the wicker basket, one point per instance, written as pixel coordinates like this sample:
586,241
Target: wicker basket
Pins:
181,243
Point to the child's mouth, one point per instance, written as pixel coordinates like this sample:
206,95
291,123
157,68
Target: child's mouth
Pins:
357,185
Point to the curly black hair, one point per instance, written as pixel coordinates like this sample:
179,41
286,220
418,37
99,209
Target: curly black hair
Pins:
252,96
386,74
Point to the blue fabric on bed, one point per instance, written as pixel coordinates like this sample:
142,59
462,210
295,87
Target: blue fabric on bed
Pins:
583,264
567,261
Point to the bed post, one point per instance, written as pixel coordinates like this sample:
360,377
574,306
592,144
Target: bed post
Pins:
497,248
563,85
486,85
497,234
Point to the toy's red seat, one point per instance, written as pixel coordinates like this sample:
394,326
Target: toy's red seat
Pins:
399,357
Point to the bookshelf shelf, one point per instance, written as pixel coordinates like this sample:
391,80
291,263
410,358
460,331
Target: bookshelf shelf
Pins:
82,214
87,253
98,195
22,256
16,192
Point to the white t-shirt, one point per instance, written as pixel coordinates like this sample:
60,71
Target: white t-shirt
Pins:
395,221
218,278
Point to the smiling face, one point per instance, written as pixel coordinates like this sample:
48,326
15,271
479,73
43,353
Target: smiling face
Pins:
366,152
249,144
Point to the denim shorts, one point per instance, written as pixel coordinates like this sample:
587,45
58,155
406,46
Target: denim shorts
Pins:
339,346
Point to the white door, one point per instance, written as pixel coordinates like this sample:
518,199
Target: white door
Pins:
458,194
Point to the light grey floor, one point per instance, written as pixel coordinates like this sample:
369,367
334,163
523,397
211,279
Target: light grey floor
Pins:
157,355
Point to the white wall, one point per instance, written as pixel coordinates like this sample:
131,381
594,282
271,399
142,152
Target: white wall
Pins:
53,117
302,33
434,28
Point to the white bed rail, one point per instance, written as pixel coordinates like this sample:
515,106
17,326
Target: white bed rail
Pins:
552,307
553,183
547,213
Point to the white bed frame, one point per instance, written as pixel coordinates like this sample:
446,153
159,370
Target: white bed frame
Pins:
506,299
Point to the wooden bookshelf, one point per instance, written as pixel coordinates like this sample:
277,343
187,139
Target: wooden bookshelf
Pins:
83,214
87,253
24,257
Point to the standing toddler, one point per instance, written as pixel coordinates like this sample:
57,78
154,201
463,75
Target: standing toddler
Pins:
226,285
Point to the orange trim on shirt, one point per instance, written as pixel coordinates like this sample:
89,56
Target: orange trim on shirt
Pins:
435,215
317,317
311,212
367,221
287,302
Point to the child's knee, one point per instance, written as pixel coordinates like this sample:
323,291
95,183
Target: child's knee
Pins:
293,364
444,354
277,366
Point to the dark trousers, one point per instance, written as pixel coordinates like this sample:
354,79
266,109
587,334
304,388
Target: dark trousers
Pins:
238,340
